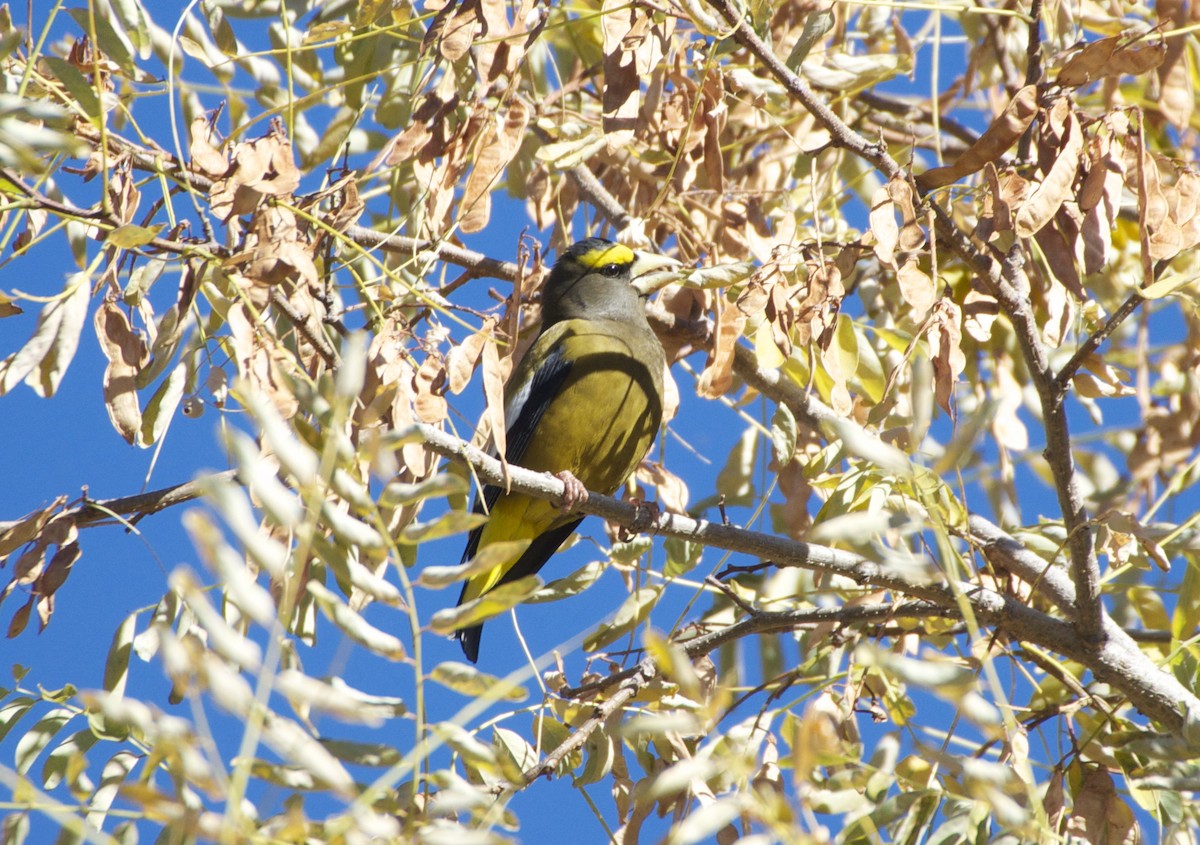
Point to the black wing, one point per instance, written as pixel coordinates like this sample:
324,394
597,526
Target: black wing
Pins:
534,558
543,387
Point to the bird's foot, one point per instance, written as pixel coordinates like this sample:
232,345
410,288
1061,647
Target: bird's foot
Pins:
574,493
645,514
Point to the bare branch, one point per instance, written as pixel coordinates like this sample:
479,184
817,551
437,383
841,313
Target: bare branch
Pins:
841,133
1151,690
101,511
643,673
1085,570
476,262
1093,342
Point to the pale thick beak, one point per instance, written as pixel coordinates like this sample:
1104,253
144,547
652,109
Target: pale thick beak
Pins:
653,272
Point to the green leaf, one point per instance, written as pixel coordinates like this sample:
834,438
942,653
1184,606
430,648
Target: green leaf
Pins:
12,712
736,479
1187,605
632,612
130,235
816,25
571,585
469,681
76,83
598,757
39,736
448,524
442,485
682,556
68,758
116,665
489,557
783,434
491,603
374,755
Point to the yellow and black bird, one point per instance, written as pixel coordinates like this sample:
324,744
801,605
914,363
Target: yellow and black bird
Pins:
584,403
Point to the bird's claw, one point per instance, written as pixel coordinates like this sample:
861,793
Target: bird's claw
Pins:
574,492
645,514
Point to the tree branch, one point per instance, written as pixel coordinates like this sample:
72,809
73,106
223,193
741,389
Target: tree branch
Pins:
1148,688
1123,312
1084,567
101,511
840,132
1085,570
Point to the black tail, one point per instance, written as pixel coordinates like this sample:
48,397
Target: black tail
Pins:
468,638
539,551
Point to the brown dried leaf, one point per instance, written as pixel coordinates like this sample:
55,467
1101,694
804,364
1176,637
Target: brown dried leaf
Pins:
8,306
349,205
276,250
980,311
671,490
1058,243
911,235
20,619
1187,209
430,384
717,377
28,527
261,365
916,287
127,354
714,115
58,569
461,360
1097,240
499,143
1061,308
1097,378
634,45
1099,816
945,340
495,374
1113,56
622,86
1002,134
259,168
1161,235
883,226
839,356
455,27
1177,96
1007,426
206,158
1055,187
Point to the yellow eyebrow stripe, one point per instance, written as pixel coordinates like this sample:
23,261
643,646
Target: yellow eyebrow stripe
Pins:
611,254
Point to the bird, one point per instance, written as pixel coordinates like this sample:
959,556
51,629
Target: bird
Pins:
584,403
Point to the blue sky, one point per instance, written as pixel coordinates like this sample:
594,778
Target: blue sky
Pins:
58,446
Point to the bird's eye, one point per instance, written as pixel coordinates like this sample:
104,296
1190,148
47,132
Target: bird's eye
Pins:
610,270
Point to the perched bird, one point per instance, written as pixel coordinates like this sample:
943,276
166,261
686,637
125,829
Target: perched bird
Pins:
584,403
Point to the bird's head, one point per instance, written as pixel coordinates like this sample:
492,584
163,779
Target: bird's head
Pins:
599,279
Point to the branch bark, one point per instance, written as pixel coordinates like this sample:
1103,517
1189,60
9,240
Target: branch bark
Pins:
1085,571
1116,661
97,511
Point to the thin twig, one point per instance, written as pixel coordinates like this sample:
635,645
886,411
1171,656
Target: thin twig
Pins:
1085,569
1093,342
468,259
1112,659
100,511
646,671
301,323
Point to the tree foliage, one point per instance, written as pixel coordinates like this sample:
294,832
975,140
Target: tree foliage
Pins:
938,295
